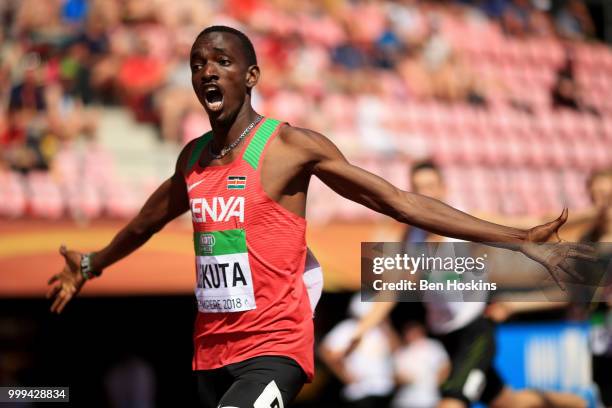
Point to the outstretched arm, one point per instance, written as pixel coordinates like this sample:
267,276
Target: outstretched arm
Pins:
325,161
165,204
363,187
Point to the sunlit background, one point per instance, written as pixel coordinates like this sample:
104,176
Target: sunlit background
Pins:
511,98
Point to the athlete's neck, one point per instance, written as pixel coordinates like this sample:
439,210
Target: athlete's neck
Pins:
225,132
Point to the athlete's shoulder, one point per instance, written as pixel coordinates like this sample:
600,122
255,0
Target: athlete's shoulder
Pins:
303,139
294,134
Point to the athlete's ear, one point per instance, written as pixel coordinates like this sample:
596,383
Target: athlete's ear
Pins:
252,76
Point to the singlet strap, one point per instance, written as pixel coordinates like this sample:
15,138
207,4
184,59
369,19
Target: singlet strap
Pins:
252,154
197,150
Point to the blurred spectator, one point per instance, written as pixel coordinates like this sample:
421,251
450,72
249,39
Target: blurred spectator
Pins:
352,54
367,372
27,124
388,48
450,78
566,92
421,365
175,99
573,21
491,8
407,20
520,19
28,95
74,11
141,74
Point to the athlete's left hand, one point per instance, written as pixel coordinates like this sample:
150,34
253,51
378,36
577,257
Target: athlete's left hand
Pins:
555,257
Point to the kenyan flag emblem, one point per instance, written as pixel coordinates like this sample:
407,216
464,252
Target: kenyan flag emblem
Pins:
236,182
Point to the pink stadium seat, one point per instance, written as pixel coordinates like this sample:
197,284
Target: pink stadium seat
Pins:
45,199
100,163
321,29
340,108
120,200
534,52
552,52
12,194
84,201
67,164
537,148
600,153
289,105
193,126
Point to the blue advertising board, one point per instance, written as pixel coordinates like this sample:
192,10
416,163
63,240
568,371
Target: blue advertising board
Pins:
546,356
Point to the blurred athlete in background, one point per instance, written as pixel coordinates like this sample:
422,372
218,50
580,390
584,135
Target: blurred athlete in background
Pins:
467,335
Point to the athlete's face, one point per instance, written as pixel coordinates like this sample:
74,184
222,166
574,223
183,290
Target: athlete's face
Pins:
220,75
429,183
413,333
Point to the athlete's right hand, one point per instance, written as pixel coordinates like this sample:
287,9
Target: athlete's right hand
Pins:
68,282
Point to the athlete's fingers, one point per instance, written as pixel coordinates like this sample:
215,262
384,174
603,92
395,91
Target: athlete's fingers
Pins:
572,253
51,293
54,278
586,248
60,299
583,251
63,303
63,251
56,302
569,269
555,272
562,218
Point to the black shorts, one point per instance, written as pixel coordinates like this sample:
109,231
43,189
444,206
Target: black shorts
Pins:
260,382
472,350
602,376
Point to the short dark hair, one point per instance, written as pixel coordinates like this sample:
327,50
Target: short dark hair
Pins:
247,45
425,165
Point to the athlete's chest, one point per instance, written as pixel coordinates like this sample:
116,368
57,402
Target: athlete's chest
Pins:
222,194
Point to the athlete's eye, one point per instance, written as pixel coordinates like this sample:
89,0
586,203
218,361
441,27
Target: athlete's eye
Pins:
224,62
196,67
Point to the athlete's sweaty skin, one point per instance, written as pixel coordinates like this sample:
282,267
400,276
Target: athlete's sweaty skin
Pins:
219,65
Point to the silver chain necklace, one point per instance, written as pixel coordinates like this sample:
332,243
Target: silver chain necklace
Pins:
229,148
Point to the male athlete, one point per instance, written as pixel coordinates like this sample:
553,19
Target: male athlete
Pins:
245,183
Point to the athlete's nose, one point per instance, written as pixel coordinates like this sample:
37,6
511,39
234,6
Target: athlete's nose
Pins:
210,73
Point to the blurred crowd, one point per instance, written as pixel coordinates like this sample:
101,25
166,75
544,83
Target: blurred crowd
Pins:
357,70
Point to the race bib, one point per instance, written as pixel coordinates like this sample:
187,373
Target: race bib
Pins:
224,281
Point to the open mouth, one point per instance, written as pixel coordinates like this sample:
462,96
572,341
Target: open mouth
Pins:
213,98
